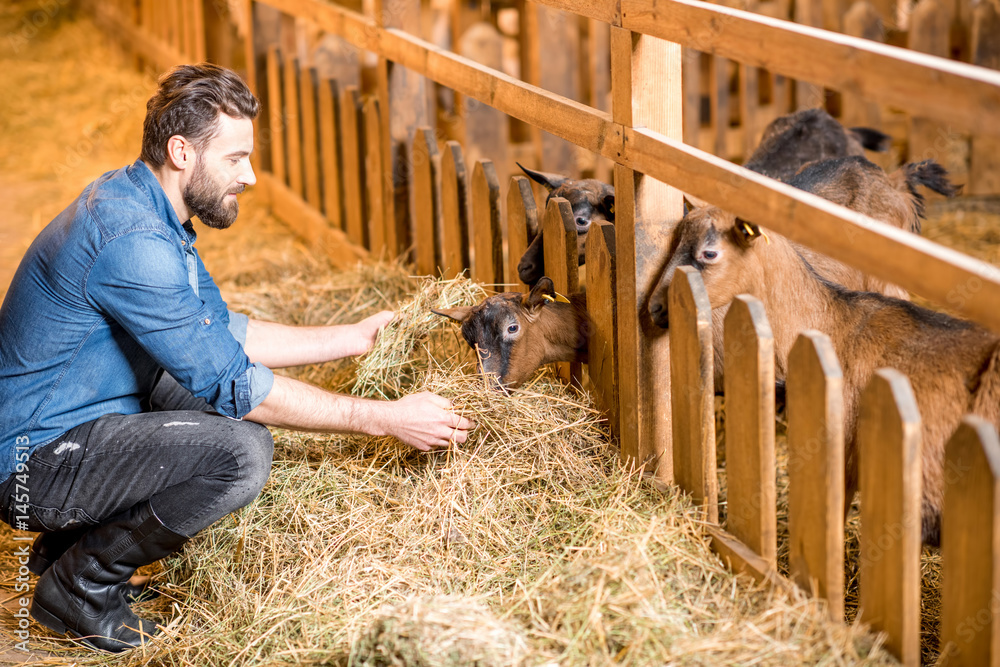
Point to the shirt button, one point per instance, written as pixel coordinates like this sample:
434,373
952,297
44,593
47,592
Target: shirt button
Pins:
208,321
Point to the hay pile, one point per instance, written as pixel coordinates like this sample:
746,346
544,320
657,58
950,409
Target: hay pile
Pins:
529,545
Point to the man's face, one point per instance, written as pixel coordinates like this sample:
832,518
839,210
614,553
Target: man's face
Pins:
221,171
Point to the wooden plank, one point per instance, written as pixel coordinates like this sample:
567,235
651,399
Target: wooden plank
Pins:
691,81
293,126
486,130
263,26
889,562
454,211
355,182
310,224
427,201
559,37
693,395
331,159
522,222
863,20
602,306
719,102
198,29
276,112
970,541
741,558
815,407
935,87
751,496
751,117
984,167
487,235
378,234
561,262
402,99
309,106
810,13
646,91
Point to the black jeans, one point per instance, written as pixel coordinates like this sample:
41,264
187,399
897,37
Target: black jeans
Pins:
193,465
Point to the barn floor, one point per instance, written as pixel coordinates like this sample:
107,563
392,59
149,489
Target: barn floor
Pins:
73,109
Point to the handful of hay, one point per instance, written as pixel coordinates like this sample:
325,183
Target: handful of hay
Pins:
390,368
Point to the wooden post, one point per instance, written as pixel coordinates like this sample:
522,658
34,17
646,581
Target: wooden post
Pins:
646,92
331,143
808,95
355,183
970,542
293,125
487,236
276,113
815,407
454,212
863,20
310,138
719,99
984,169
889,562
403,104
693,395
522,216
263,23
751,496
426,201
691,76
602,305
377,191
562,262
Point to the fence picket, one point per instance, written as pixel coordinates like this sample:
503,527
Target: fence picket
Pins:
889,560
487,237
751,497
375,179
970,534
522,220
426,200
331,142
309,108
276,112
355,182
984,161
561,262
693,395
602,306
815,407
454,211
293,126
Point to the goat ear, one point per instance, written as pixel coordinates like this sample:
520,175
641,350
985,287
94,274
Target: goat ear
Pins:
746,232
608,204
544,290
550,181
459,314
691,203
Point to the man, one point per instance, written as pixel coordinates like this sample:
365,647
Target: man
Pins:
132,402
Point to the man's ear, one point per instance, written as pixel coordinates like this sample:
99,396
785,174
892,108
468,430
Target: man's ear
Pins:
550,181
459,314
544,290
746,233
180,152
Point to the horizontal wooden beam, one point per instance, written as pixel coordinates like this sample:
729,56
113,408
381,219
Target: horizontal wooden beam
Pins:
157,52
961,95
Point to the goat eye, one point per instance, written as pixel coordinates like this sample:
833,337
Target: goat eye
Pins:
710,254
512,329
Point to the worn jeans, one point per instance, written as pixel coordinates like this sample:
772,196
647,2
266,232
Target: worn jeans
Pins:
193,465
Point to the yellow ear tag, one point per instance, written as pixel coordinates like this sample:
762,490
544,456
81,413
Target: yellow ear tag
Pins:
748,229
558,297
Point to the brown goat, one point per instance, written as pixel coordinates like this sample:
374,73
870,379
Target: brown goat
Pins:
788,143
953,365
514,334
853,182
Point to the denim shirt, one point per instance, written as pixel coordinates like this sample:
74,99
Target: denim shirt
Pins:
109,293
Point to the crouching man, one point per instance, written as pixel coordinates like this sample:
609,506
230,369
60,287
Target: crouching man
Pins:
132,402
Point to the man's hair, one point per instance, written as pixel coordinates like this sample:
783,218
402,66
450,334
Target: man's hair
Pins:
188,103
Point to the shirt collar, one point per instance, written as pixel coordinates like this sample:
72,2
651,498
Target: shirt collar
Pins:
140,174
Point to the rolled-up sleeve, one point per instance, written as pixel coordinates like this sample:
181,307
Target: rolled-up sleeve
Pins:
139,280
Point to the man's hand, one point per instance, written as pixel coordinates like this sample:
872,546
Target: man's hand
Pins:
426,421
366,331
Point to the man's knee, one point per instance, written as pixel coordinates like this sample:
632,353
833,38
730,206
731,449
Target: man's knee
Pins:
255,451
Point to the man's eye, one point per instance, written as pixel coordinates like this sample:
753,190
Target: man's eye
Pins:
710,254
512,329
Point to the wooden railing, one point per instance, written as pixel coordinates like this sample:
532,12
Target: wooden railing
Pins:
334,164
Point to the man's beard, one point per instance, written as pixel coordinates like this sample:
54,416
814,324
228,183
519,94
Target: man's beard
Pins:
202,197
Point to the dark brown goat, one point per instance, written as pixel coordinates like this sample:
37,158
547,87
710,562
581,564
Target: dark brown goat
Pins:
514,334
788,143
953,365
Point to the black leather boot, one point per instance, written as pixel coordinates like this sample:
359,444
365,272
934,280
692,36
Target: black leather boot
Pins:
48,547
82,593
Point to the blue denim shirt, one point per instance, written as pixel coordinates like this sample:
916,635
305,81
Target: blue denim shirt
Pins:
110,292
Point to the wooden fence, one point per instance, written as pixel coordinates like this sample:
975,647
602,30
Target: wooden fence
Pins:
351,171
